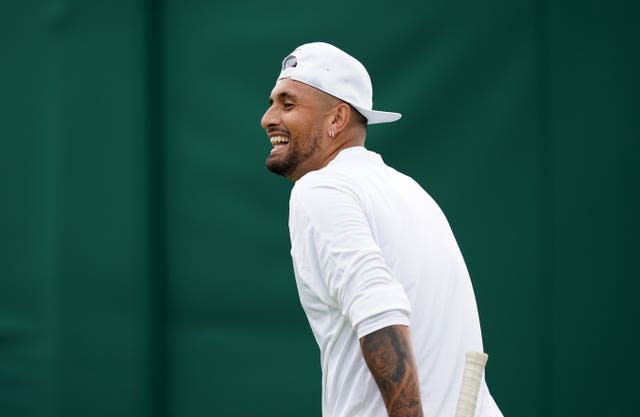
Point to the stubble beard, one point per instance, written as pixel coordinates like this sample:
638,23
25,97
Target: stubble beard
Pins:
286,164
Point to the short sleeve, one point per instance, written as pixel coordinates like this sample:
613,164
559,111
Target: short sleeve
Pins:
332,223
379,321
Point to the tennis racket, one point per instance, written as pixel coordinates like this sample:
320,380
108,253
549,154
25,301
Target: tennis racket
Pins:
471,378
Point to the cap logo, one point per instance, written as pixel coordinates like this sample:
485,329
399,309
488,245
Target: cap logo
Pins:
289,62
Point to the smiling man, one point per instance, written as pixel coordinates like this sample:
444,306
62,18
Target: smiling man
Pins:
379,273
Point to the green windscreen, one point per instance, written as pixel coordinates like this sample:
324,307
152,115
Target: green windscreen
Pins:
144,252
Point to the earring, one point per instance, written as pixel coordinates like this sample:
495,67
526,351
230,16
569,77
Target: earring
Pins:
332,134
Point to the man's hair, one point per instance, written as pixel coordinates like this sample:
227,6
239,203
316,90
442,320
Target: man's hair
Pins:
359,118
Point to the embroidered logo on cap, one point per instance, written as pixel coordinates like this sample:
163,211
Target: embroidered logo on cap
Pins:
289,62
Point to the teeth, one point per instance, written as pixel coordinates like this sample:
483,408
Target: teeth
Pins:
279,140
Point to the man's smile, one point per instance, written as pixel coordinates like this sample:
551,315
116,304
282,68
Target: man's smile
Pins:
279,142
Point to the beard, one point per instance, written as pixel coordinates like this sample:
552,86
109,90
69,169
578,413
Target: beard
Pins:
295,155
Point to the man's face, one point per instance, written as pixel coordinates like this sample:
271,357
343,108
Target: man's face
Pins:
294,124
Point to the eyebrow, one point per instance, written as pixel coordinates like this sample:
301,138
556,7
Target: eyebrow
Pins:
283,96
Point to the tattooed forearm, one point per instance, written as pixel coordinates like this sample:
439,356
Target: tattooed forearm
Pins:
389,356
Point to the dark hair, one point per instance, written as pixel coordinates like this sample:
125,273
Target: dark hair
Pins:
360,119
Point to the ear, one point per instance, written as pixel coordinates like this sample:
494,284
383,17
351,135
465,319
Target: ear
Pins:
341,115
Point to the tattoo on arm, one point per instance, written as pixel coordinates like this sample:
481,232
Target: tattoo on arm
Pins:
390,359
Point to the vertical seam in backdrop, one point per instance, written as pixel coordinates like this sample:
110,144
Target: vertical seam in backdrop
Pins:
156,209
547,206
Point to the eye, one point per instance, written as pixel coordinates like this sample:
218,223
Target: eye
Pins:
288,105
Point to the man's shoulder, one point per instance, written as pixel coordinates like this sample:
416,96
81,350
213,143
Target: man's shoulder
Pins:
344,170
320,189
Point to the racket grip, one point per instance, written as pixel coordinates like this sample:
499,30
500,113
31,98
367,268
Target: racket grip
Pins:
471,378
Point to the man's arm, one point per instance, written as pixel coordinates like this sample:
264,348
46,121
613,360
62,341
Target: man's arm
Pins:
389,356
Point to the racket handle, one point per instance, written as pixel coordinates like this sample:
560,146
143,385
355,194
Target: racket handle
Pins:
471,378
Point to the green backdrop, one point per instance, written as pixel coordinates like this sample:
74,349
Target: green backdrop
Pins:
144,254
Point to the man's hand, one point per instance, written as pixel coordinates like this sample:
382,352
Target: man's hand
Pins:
389,356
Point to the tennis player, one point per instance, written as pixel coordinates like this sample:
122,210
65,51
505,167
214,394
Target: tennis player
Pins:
378,270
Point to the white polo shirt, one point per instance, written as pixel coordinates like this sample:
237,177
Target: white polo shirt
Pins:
371,249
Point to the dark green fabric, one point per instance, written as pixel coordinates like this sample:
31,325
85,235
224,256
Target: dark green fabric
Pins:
144,267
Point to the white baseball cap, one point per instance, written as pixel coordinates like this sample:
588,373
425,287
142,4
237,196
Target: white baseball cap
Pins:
337,73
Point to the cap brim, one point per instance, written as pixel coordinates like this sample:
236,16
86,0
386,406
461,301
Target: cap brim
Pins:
377,116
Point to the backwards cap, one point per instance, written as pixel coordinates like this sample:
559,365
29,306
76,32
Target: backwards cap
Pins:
337,73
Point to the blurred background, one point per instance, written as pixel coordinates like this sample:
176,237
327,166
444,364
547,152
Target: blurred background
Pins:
144,253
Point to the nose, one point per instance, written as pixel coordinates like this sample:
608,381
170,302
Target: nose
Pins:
269,118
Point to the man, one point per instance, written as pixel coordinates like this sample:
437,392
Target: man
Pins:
379,273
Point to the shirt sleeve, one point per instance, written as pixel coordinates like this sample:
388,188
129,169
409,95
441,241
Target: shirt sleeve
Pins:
379,321
336,236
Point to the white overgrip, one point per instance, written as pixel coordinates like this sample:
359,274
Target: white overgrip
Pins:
471,379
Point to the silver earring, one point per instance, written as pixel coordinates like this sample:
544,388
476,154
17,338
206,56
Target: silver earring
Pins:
332,134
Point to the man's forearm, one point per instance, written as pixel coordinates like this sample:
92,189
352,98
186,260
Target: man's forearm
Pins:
389,356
